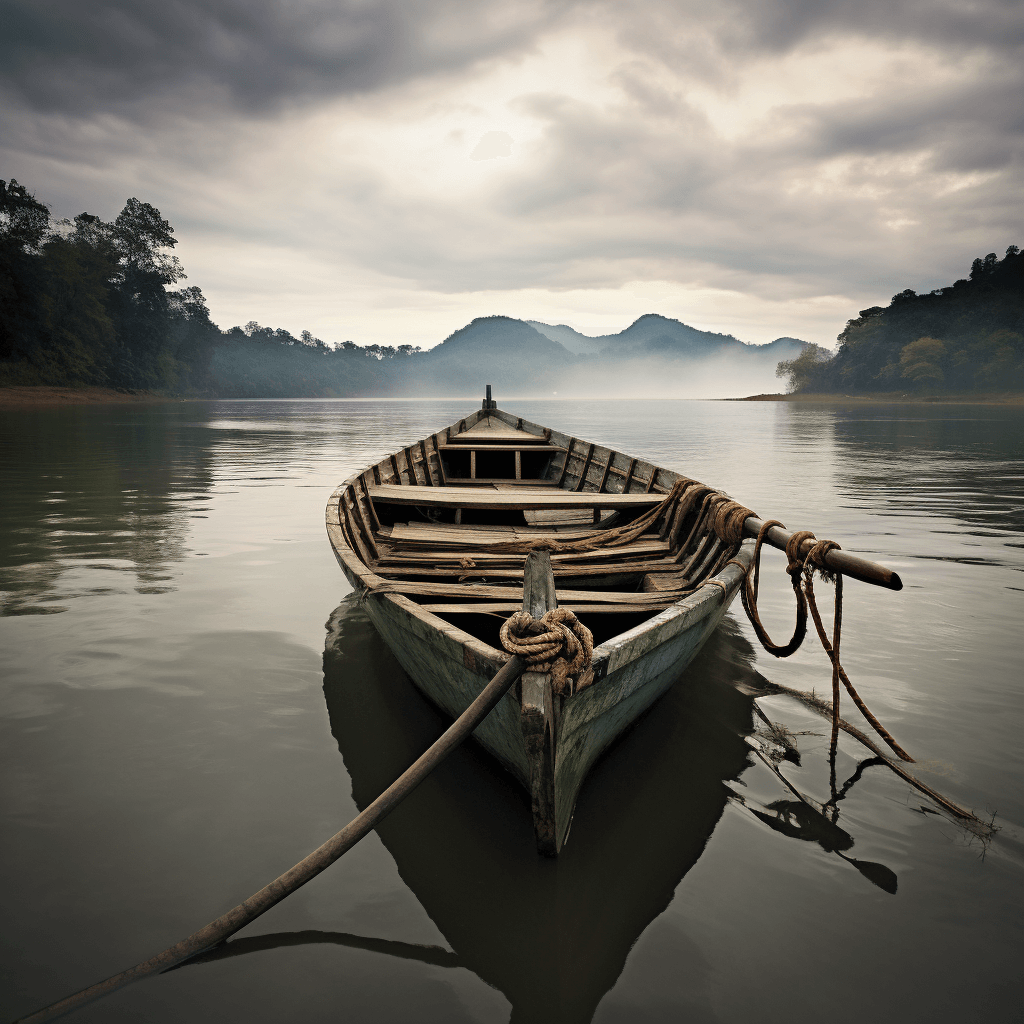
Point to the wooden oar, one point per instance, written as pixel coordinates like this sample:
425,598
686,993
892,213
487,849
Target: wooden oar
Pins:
837,560
311,866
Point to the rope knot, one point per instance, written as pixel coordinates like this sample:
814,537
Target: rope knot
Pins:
815,560
793,546
558,643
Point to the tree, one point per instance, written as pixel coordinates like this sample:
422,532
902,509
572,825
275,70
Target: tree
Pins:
24,221
804,371
919,361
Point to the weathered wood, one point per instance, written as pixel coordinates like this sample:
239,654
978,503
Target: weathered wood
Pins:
495,481
565,462
638,549
629,476
507,607
394,469
362,526
426,463
351,522
549,449
539,716
586,466
366,494
514,593
440,462
388,570
410,468
512,499
493,430
840,561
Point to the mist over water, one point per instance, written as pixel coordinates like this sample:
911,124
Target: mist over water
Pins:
191,701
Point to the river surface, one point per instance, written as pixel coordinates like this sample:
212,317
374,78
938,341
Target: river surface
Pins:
191,701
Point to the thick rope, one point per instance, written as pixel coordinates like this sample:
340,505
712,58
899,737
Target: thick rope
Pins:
558,644
801,573
613,538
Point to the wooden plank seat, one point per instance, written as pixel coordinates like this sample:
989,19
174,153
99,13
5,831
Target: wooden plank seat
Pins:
498,481
506,608
499,573
458,591
506,531
511,498
494,431
522,446
653,549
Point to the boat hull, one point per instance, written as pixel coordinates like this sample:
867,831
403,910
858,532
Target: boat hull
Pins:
634,671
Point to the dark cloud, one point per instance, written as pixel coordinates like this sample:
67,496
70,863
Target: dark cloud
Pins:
80,56
735,28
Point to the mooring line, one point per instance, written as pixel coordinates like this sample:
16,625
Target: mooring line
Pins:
323,857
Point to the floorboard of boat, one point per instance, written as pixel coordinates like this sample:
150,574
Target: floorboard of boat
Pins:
515,593
508,607
456,572
638,549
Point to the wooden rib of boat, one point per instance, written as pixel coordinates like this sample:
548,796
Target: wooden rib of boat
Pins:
428,536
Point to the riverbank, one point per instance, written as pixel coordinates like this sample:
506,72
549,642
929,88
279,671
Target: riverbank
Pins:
889,397
18,396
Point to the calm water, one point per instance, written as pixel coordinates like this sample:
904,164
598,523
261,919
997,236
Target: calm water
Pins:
190,703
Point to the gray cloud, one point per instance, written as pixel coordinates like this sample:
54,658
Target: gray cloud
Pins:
825,193
81,57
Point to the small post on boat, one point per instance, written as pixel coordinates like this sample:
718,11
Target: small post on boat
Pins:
539,715
489,403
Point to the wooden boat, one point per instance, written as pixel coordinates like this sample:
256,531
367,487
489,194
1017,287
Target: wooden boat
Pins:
430,538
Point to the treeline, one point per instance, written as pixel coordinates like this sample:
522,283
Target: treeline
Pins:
967,337
87,301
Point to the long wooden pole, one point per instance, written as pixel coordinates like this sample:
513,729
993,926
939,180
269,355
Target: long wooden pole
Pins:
311,866
840,561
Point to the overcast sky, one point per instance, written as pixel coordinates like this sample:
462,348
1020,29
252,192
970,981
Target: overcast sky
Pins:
384,171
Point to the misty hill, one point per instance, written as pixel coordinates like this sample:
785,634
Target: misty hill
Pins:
653,357
653,334
496,350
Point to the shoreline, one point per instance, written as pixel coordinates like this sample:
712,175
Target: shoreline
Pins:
888,398
17,396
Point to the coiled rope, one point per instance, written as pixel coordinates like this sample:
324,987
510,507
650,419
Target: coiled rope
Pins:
558,643
541,642
801,573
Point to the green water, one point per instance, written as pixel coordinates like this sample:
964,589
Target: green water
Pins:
190,704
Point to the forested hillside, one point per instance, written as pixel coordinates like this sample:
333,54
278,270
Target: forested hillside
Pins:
86,301
967,337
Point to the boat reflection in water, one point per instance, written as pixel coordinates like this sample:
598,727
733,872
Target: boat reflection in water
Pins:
551,935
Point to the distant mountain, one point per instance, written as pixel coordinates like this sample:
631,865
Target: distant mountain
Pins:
572,340
496,350
653,334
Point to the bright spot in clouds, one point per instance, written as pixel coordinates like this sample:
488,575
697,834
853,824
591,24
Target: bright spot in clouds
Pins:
491,145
